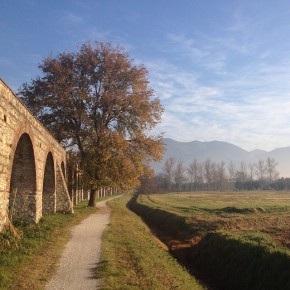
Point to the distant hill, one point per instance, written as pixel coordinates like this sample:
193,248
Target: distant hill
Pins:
221,151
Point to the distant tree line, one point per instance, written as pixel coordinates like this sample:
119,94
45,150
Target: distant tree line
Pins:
214,176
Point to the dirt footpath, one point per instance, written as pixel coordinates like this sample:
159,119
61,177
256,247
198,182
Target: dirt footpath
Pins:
77,266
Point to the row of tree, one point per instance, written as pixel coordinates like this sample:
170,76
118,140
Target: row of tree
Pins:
209,175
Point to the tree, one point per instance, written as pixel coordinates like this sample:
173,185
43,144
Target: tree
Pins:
208,172
148,182
252,169
260,169
221,175
232,173
168,170
270,168
241,174
200,177
98,103
193,172
179,175
161,182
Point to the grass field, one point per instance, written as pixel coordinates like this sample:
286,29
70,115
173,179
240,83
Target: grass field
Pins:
237,240
266,212
133,259
233,240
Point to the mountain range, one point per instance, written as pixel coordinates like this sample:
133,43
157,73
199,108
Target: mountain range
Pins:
219,151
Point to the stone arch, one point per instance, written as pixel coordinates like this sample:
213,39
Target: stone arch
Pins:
22,198
48,193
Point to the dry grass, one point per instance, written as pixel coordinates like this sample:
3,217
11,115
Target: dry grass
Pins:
266,212
237,240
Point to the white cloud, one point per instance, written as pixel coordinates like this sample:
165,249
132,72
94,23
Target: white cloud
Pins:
249,107
188,45
70,18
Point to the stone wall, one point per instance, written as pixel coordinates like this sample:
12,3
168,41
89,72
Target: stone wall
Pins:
32,164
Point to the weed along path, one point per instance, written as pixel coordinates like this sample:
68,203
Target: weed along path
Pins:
82,253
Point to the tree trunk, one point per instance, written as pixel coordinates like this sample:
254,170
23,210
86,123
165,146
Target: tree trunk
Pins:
93,198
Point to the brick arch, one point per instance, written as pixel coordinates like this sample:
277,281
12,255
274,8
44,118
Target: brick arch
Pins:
23,129
49,185
62,166
22,185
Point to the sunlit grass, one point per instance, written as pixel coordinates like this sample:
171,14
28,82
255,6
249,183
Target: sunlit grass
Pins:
29,262
133,259
268,212
219,200
238,240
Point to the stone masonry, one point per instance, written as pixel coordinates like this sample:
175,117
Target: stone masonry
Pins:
32,165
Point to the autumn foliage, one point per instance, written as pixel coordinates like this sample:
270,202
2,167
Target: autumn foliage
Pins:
99,105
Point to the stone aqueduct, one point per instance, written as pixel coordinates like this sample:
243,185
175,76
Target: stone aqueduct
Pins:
32,165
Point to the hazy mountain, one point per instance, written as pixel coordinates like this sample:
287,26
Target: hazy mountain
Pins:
221,151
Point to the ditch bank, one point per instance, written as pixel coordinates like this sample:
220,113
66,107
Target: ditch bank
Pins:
220,259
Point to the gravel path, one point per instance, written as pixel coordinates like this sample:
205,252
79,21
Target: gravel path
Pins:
79,260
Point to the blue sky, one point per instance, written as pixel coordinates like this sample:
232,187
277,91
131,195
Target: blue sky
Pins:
220,68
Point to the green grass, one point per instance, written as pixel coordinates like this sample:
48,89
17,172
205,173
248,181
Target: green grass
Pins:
232,261
29,262
188,203
239,240
267,212
133,259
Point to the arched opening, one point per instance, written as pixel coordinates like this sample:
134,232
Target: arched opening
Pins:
48,194
63,169
22,199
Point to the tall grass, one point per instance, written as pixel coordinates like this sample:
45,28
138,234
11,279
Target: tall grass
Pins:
133,259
